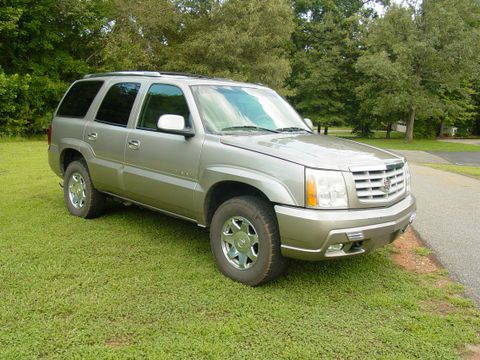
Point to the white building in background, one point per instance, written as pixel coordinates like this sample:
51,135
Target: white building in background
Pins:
400,126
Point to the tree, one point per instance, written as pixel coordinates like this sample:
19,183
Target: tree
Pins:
326,47
239,39
417,61
44,45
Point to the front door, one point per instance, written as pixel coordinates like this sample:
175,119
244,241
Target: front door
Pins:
161,169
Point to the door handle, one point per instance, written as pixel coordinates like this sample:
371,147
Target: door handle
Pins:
92,136
134,144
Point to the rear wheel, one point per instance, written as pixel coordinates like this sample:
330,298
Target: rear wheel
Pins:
245,241
81,197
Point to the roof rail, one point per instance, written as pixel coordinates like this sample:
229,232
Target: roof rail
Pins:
153,74
124,73
148,73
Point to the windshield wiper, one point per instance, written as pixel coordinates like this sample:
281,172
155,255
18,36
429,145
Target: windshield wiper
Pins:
248,127
292,129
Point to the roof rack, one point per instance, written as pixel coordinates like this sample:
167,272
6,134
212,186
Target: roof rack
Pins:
124,73
150,74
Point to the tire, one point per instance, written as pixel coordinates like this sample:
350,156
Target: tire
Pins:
232,232
81,197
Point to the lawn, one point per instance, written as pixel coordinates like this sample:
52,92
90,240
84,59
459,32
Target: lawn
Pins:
397,142
473,171
418,144
137,284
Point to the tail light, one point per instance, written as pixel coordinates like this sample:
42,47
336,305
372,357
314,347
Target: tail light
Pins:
49,134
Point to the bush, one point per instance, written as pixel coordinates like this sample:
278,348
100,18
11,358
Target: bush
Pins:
26,103
14,109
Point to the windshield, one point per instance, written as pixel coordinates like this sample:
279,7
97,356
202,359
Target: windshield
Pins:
237,108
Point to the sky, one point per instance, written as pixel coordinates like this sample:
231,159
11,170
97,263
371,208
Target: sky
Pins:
381,10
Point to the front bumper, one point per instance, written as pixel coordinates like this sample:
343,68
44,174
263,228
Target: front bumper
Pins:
307,234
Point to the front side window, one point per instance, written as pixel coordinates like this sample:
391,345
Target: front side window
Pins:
79,98
163,99
117,104
241,108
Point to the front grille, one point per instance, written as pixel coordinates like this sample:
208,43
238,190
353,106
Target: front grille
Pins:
376,185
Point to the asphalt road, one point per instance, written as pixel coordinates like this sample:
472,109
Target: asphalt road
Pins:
448,220
459,158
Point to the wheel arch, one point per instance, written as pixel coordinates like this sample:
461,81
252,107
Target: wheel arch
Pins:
72,149
67,156
226,182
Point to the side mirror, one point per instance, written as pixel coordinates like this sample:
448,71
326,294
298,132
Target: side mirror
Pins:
309,123
174,124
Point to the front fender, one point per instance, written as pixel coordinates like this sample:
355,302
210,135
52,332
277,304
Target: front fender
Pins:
274,190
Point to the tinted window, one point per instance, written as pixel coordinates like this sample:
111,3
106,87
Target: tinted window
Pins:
79,98
161,100
117,104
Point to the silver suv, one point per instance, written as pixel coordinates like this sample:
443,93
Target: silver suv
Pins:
232,157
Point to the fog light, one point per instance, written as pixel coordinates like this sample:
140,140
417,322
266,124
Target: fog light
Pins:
335,247
412,217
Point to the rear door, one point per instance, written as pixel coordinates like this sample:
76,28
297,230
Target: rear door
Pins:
107,135
161,169
72,115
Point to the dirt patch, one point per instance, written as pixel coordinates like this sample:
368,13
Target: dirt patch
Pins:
473,352
119,341
442,283
405,255
437,307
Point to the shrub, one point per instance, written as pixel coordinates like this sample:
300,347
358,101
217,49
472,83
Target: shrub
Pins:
26,103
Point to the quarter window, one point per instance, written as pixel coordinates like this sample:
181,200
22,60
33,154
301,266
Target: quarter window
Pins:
163,99
117,104
79,98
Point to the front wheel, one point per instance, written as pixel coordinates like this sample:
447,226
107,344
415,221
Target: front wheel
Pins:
81,197
245,241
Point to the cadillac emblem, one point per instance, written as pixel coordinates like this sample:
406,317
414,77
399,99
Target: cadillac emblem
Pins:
387,184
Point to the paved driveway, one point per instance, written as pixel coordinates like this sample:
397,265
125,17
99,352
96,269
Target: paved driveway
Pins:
460,158
463,141
449,222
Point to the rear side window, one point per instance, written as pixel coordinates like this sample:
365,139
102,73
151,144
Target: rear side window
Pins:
117,104
79,98
163,99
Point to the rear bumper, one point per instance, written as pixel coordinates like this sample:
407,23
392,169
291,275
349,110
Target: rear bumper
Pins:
306,234
54,159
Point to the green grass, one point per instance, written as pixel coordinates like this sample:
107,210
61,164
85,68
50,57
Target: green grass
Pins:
137,284
376,134
422,251
39,137
473,171
420,144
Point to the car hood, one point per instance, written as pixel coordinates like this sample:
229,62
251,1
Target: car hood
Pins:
316,151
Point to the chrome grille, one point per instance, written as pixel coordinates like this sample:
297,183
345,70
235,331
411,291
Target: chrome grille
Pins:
379,185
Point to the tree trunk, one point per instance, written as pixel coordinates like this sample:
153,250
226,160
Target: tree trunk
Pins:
442,129
325,132
410,123
389,130
319,128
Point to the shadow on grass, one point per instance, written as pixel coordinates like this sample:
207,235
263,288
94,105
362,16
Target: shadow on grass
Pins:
187,237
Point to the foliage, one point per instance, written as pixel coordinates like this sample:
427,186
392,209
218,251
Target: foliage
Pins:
240,39
326,47
418,61
338,62
43,45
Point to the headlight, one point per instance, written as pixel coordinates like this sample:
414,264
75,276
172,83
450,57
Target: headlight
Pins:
325,189
406,173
